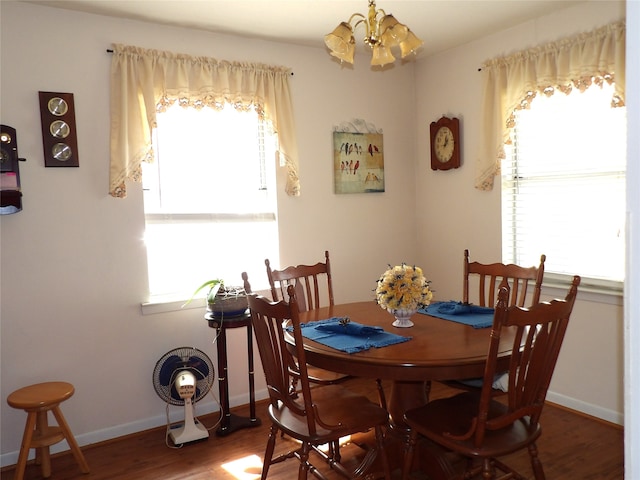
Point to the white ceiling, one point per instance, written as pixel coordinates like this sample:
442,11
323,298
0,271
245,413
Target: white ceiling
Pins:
442,24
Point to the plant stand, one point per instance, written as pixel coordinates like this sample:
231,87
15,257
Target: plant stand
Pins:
230,422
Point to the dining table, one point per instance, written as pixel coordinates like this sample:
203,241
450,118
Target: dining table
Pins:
432,349
436,347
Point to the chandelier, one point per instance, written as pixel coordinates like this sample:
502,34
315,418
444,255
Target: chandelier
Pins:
382,32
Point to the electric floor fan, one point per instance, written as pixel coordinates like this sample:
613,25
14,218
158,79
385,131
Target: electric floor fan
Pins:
182,377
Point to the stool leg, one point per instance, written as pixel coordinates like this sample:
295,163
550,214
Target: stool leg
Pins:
43,458
24,448
75,449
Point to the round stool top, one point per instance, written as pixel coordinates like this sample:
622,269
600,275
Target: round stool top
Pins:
40,395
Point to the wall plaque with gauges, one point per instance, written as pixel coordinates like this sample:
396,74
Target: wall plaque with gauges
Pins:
59,136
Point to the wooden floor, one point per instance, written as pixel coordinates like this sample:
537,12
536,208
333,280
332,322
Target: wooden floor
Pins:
572,447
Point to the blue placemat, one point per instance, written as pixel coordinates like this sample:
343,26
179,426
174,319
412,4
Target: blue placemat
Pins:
351,338
473,315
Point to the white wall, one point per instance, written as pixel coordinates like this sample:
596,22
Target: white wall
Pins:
73,262
73,265
453,215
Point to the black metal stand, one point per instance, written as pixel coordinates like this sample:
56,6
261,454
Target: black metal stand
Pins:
230,422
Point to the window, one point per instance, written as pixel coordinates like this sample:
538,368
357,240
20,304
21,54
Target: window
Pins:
563,186
209,199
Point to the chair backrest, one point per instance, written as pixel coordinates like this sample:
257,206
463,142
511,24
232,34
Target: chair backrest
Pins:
306,279
267,319
245,282
539,332
491,276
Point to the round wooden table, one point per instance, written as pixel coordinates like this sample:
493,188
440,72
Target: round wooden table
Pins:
438,350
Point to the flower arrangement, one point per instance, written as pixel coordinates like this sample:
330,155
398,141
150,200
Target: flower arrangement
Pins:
403,287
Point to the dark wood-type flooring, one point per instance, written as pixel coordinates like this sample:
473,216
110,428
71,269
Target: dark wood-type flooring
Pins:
572,447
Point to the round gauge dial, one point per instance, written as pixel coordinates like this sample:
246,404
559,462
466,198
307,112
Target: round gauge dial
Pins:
59,129
61,152
58,106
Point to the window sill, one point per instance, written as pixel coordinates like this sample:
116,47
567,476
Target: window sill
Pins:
590,290
175,303
164,304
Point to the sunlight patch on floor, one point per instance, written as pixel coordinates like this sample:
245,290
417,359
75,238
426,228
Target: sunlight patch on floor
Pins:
246,468
250,467
342,442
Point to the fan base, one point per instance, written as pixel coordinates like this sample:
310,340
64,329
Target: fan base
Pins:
188,433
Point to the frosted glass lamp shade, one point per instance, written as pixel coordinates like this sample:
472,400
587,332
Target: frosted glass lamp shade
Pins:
392,31
381,56
341,42
410,44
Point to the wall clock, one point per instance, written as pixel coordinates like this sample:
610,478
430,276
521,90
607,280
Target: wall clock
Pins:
445,144
59,137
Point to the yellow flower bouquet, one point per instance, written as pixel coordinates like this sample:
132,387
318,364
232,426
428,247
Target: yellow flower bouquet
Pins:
402,290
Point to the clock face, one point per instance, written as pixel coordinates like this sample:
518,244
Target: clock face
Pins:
444,144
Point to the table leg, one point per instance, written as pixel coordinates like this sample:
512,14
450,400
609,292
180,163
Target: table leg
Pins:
436,462
405,396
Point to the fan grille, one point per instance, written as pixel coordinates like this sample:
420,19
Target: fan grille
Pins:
178,360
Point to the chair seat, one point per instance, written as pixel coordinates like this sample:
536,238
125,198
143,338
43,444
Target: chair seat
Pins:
454,415
320,376
334,405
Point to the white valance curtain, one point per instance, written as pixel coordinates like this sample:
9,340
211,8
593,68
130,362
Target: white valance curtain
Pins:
146,81
510,83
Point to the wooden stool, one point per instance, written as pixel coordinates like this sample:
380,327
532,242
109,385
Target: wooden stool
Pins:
37,400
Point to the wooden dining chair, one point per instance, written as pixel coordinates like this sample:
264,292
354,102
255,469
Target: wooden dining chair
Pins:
521,280
483,428
314,289
312,283
316,416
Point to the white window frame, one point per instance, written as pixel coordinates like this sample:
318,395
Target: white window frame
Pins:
514,183
221,225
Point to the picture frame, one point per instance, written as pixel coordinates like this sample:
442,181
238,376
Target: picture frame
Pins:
358,158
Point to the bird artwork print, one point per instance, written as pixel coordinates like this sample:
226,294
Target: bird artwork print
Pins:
358,162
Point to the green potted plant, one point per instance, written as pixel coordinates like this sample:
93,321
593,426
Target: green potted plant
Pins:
223,301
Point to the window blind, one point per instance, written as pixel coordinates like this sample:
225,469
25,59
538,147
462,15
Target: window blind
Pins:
563,185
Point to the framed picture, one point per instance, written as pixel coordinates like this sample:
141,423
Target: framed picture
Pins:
358,158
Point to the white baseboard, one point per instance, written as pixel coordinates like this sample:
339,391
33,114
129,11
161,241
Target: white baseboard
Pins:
204,407
587,408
